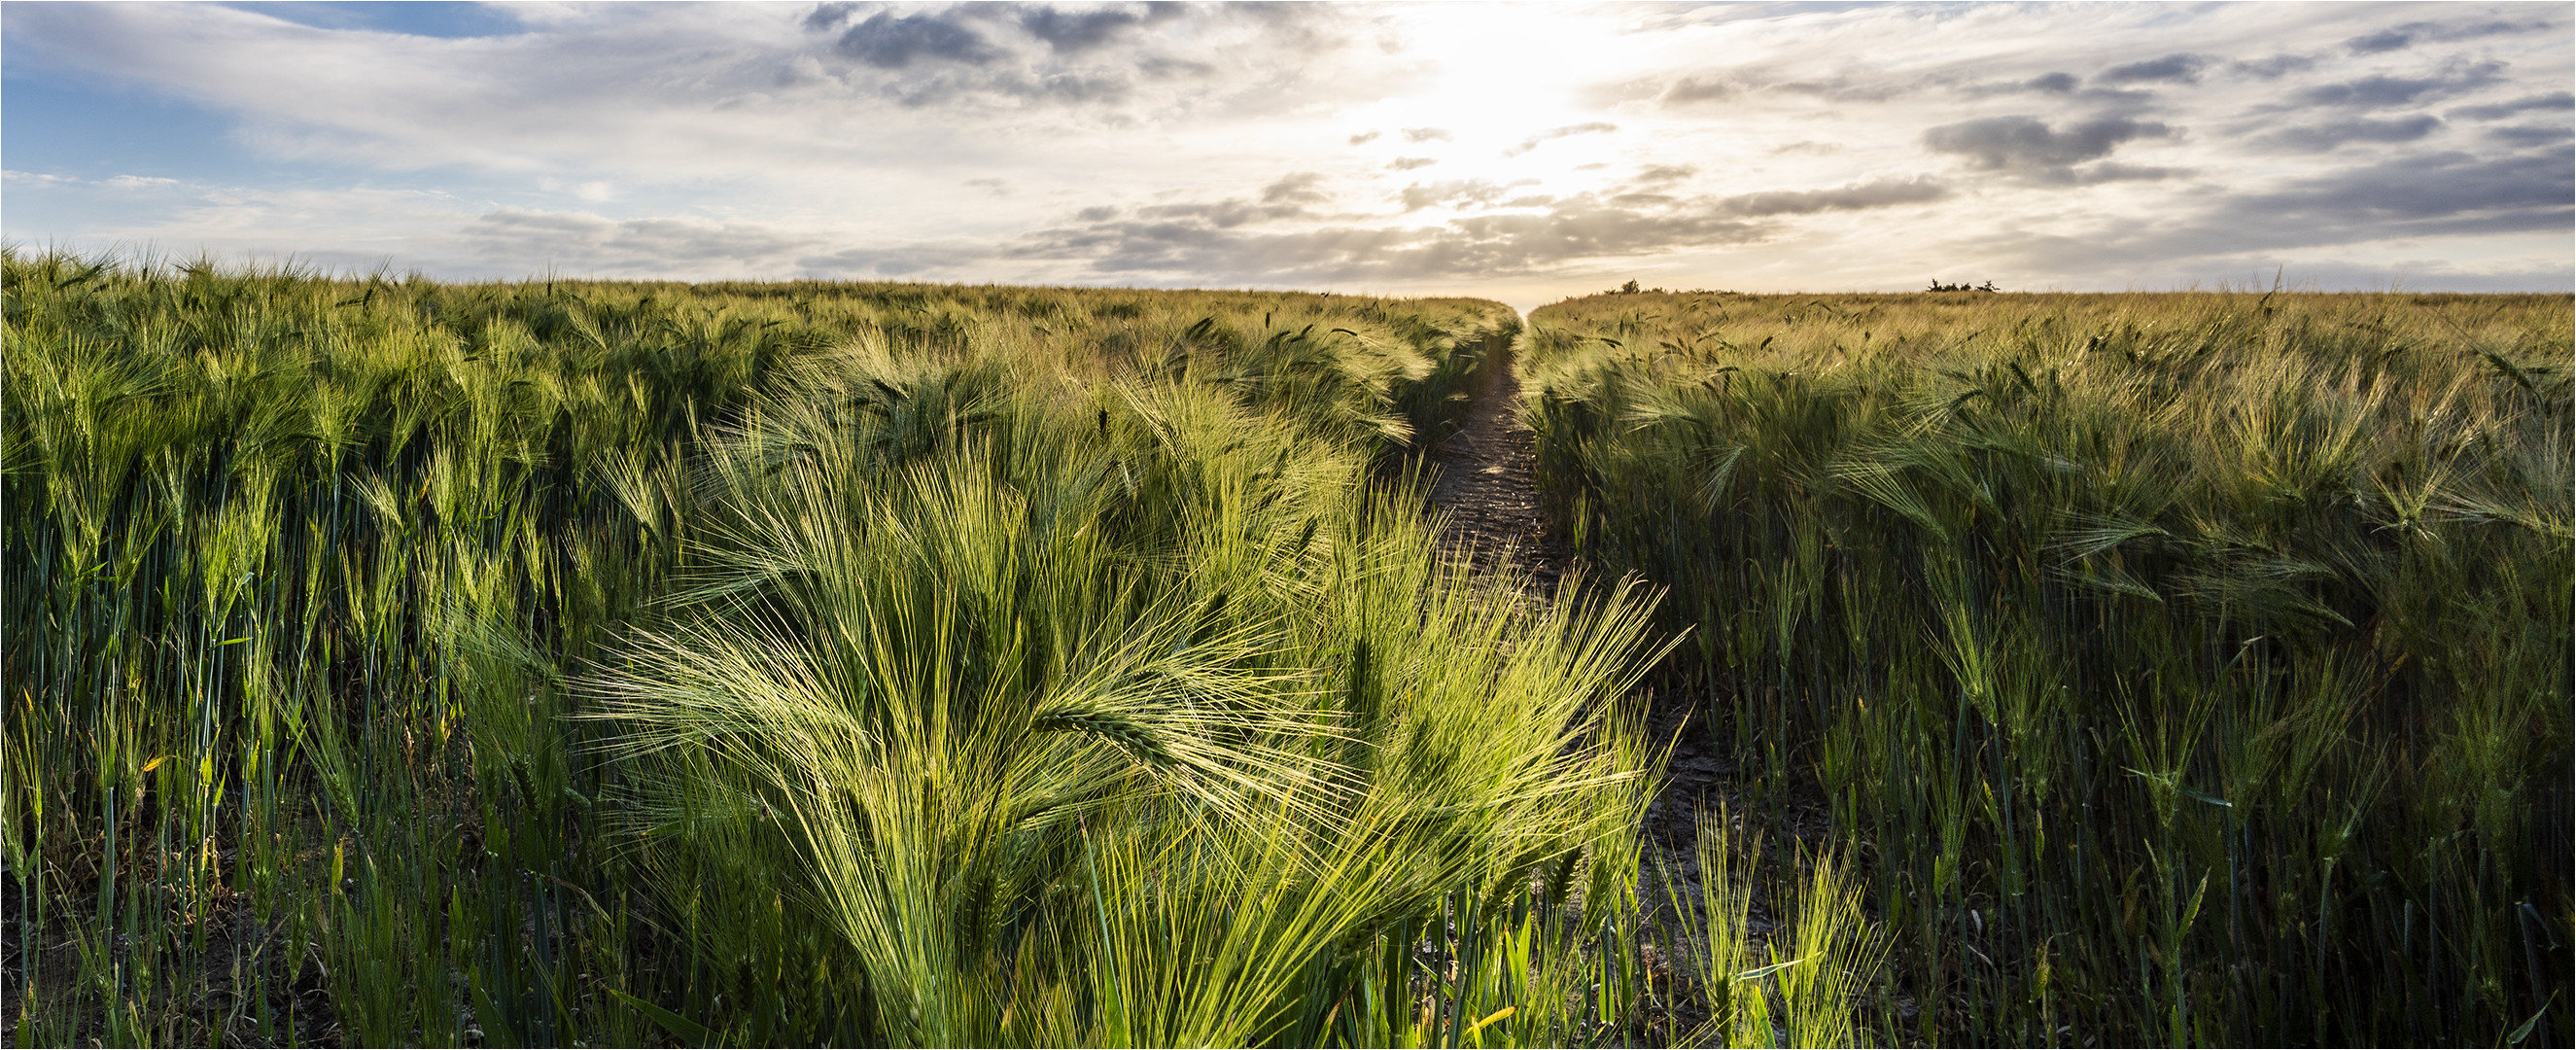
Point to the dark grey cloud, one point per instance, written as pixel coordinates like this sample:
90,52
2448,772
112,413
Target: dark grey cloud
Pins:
2500,110
2532,136
1411,163
2384,40
2318,138
2399,37
2440,194
2381,91
1017,53
892,41
828,16
2052,83
1066,87
1426,134
1877,193
1079,31
1589,127
2028,148
2273,67
2174,68
2446,192
888,42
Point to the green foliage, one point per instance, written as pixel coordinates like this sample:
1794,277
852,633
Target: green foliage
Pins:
399,662
1802,988
2183,668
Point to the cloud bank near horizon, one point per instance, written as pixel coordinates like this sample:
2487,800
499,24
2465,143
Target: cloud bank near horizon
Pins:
1525,153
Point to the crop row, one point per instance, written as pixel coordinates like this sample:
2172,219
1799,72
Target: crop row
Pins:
394,662
2177,668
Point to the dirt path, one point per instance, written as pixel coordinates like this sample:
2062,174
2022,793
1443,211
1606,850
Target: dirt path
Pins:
1486,482
1487,485
1487,478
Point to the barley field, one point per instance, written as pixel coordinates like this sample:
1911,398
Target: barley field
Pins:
2174,669
397,662
393,662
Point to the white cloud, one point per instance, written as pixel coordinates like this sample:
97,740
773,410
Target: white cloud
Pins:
1860,146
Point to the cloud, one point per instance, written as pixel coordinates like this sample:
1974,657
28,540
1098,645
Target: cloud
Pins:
2399,37
2532,136
1589,127
583,242
113,182
1477,246
1877,193
1224,214
2174,68
888,42
828,16
2445,194
1455,193
1296,187
2026,147
2499,110
2318,138
1687,90
749,141
2273,67
2384,40
2528,191
1096,56
905,261
1501,233
1073,33
2381,90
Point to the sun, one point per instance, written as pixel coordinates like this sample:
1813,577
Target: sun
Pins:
1507,75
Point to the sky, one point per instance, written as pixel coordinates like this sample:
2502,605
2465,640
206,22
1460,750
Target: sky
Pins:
1519,152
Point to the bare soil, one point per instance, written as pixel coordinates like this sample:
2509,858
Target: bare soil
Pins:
1484,483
